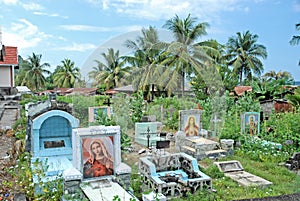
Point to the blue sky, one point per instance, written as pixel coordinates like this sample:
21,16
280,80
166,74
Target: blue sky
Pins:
81,29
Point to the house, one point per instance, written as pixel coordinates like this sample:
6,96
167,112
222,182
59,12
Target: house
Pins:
70,91
8,64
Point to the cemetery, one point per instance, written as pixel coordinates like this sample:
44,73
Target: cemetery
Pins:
156,164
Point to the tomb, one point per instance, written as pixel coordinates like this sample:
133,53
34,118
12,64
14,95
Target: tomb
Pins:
173,175
88,159
294,162
250,123
235,171
190,139
97,156
93,112
49,137
147,133
200,148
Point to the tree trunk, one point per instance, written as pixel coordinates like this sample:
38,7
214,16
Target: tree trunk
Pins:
183,76
241,77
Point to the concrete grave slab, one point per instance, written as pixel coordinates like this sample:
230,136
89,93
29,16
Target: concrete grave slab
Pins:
235,171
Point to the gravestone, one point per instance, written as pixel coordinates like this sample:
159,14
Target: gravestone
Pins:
179,140
190,122
235,171
250,123
294,162
93,112
85,160
147,133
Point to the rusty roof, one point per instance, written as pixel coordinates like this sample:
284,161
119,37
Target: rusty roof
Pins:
10,56
240,90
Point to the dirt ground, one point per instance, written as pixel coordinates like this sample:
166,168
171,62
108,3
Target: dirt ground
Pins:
7,159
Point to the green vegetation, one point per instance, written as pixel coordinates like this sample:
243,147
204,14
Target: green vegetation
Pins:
160,73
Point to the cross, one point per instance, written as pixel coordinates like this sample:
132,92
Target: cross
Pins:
215,121
107,102
148,136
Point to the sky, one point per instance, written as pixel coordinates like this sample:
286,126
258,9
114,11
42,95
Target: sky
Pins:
80,30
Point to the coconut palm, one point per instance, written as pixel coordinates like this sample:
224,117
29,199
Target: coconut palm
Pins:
145,60
66,74
184,56
34,72
96,70
244,54
113,70
296,39
280,75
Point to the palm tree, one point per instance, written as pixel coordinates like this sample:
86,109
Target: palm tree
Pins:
96,70
184,56
113,70
244,54
280,75
34,72
66,74
296,39
145,60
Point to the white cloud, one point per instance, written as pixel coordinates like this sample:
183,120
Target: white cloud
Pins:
78,47
165,9
100,29
32,6
9,2
23,34
49,14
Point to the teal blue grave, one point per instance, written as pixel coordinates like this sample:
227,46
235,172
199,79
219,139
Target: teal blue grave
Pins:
51,141
146,133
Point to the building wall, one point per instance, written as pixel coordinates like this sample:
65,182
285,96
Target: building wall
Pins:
5,74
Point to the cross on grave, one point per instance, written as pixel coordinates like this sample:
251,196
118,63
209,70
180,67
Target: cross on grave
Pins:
148,136
107,102
216,121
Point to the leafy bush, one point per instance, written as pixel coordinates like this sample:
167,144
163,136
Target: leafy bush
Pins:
23,174
258,150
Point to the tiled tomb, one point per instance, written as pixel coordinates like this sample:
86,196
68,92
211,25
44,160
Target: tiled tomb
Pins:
235,171
200,148
54,139
173,175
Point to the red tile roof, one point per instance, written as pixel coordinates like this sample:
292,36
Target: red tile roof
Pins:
239,90
11,56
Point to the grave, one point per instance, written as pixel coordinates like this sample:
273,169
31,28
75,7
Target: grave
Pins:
190,122
147,133
93,112
250,123
173,175
49,139
192,138
200,148
89,159
293,163
97,156
235,171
